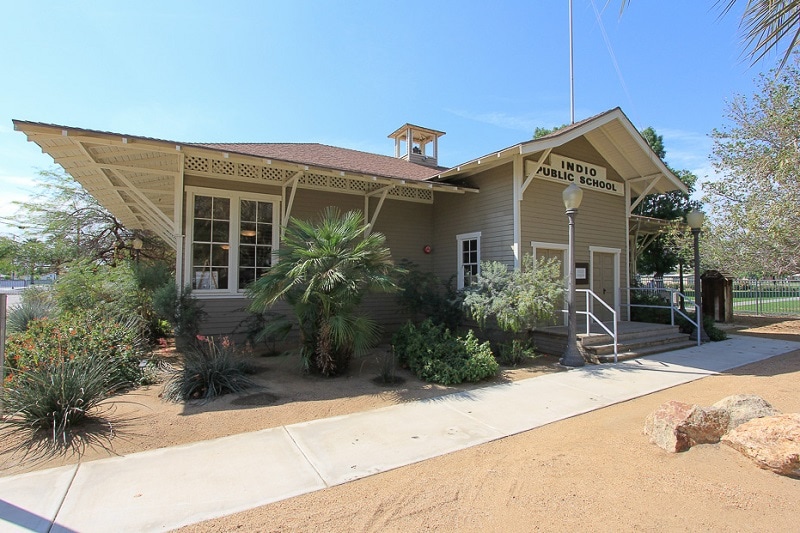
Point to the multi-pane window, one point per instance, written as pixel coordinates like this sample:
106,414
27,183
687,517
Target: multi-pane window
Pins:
211,242
469,258
255,240
234,237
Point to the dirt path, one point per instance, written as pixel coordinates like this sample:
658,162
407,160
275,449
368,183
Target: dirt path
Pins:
595,472
592,472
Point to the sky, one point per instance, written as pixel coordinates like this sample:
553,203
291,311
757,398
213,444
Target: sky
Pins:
348,73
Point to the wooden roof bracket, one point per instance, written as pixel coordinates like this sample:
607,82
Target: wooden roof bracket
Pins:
287,208
530,177
653,180
383,192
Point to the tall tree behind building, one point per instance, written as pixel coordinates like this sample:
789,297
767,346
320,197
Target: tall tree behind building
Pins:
754,204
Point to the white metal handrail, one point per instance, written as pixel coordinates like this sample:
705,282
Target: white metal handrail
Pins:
672,308
591,317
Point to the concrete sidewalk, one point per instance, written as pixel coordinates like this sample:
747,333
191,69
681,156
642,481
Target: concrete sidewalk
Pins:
164,489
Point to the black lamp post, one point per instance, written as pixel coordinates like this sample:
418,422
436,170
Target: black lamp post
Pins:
695,220
137,248
572,197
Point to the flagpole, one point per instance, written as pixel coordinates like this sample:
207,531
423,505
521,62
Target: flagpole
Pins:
571,72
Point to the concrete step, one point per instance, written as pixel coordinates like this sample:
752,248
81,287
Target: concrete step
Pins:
645,331
659,348
633,345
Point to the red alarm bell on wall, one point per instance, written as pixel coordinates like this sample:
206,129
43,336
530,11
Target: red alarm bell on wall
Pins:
426,248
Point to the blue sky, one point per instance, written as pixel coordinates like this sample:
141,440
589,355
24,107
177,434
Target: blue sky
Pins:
349,73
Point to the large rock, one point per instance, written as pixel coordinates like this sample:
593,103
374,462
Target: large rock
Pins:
772,442
745,407
677,426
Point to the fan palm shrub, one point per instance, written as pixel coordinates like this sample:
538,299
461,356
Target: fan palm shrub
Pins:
323,272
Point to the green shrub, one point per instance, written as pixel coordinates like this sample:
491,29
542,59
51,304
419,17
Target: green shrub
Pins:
518,300
709,326
424,295
20,316
210,369
50,399
651,315
180,309
434,354
88,286
83,336
515,352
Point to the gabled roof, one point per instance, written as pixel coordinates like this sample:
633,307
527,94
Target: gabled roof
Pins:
331,157
613,136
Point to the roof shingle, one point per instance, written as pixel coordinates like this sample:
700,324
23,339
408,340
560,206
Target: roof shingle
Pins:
322,155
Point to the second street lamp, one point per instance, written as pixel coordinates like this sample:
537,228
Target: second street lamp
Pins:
695,220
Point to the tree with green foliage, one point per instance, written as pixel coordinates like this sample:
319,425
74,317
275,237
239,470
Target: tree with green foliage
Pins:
754,205
765,24
663,253
324,270
71,224
542,132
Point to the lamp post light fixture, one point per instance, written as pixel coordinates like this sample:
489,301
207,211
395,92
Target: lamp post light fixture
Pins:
572,197
695,219
137,248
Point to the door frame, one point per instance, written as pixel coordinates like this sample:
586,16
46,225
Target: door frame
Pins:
564,266
617,252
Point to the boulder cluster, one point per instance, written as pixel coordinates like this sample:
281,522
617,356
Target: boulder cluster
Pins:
745,422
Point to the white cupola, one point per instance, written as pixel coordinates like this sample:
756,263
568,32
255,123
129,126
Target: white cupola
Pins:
417,144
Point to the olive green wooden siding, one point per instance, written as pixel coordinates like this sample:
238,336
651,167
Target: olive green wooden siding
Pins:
406,225
489,212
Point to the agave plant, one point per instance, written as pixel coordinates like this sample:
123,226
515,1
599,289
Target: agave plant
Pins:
323,271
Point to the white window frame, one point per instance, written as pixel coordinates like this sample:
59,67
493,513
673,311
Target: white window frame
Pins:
235,198
551,246
476,235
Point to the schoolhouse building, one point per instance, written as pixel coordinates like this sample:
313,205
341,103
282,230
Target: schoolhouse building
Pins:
223,207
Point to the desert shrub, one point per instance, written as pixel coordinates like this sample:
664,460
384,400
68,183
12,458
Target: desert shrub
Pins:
21,315
425,295
517,300
650,315
84,336
709,326
90,286
211,368
434,354
49,400
515,352
180,309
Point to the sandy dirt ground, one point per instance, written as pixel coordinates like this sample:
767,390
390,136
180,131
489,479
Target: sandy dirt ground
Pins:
593,472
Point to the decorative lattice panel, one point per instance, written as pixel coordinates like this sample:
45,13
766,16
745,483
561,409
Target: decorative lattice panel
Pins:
197,164
249,171
273,174
338,182
221,166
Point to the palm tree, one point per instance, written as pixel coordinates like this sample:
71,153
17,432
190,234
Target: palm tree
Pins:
764,24
323,271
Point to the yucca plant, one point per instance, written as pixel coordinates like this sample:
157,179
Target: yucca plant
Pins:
211,368
28,310
48,402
